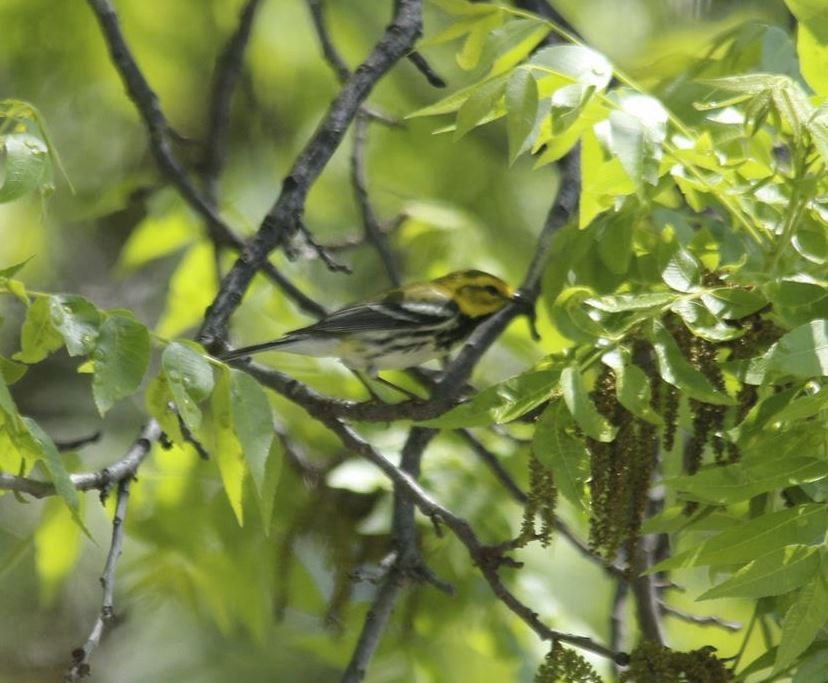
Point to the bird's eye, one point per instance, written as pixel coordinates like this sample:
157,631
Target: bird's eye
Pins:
491,289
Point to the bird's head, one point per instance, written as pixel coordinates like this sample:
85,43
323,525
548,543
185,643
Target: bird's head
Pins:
477,294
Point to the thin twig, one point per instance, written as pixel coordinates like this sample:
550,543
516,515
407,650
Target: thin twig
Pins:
375,623
284,218
671,611
80,665
425,69
373,230
226,77
158,129
80,442
483,557
102,479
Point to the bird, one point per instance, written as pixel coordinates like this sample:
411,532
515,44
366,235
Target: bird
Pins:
400,328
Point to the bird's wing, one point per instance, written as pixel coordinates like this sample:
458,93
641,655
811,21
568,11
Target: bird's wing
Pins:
387,315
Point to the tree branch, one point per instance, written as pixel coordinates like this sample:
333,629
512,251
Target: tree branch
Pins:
480,554
80,666
373,230
146,102
226,76
284,218
102,479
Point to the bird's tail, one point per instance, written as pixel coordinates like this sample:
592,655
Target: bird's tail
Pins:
235,354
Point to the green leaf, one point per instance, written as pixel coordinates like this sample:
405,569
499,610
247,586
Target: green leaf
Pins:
632,387
802,622
478,107
811,241
38,337
453,102
583,409
469,55
566,455
501,402
580,63
813,668
121,358
273,471
54,465
734,303
682,271
775,573
743,480
803,352
190,379
10,371
802,525
675,369
77,320
812,41
27,163
521,111
157,400
253,424
636,131
621,303
11,271
225,445
514,41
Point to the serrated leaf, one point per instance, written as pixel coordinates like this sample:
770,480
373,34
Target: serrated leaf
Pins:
190,378
813,668
453,102
225,445
802,525
501,403
743,480
583,409
469,55
11,271
273,470
775,573
10,371
38,337
580,63
563,453
26,165
54,465
632,387
621,303
803,352
157,401
802,622
733,303
253,424
682,271
521,111
77,320
519,37
478,107
675,369
121,357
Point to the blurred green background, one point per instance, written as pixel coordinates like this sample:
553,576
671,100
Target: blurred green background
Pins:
198,598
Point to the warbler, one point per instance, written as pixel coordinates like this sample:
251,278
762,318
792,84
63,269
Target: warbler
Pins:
400,328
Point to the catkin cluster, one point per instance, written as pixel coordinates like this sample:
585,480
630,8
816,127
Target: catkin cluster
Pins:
620,473
654,663
540,505
563,665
